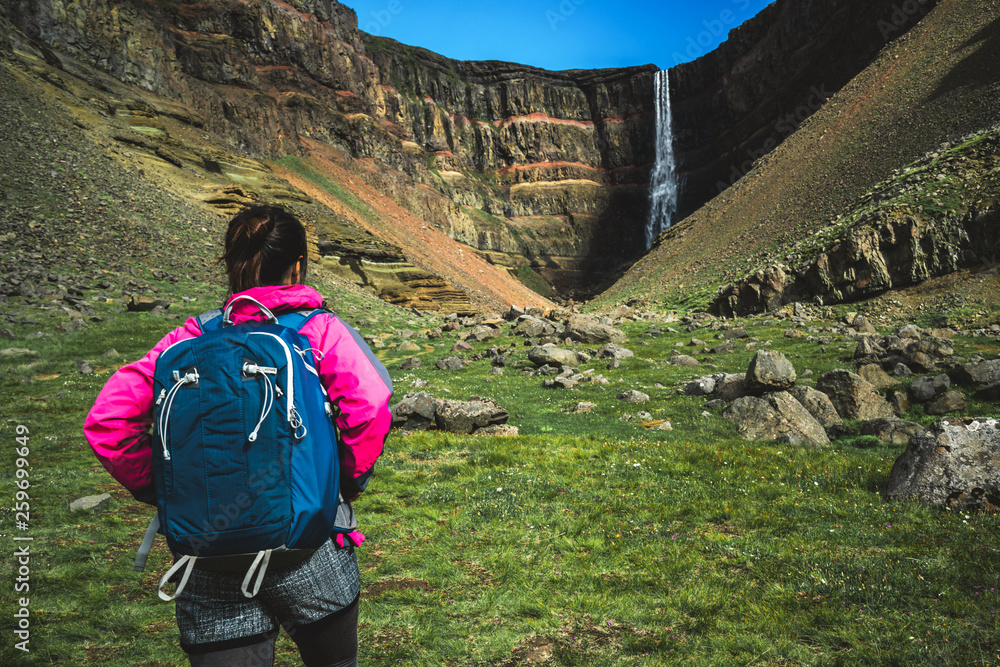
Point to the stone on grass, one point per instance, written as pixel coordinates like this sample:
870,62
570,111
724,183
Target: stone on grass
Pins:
534,327
983,373
146,304
414,412
876,377
18,352
450,363
953,463
683,360
461,346
769,371
703,386
729,386
468,416
553,356
614,351
589,330
408,346
949,402
853,397
583,407
891,429
821,408
776,416
633,396
90,503
410,363
926,387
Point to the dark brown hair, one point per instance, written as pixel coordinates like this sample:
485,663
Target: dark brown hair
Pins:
262,245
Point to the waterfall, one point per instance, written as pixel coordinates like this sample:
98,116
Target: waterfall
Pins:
663,181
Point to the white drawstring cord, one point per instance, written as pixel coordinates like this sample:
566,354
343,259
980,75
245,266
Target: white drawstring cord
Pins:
269,389
164,424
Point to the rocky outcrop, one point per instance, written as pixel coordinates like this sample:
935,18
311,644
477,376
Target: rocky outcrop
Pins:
955,463
936,216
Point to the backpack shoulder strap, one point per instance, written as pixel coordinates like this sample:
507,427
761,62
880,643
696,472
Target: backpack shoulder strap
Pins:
210,320
296,319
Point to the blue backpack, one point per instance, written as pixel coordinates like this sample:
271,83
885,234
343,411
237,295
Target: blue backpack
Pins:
245,449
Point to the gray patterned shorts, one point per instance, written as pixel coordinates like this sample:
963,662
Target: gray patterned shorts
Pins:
212,609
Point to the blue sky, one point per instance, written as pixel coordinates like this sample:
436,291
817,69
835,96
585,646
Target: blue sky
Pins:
560,34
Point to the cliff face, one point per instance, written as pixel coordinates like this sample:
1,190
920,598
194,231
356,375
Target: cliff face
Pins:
545,172
546,168
739,102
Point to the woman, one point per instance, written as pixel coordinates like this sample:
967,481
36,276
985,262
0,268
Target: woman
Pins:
316,600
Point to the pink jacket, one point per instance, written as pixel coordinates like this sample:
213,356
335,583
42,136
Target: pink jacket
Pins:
117,427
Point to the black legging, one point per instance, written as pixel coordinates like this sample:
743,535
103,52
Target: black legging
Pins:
332,641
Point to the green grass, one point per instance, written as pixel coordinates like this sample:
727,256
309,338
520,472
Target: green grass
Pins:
587,537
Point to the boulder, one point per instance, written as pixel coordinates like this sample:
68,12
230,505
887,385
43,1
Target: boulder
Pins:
821,408
534,327
927,354
410,363
483,332
769,371
553,356
876,377
414,412
728,346
588,330
683,360
853,397
450,363
949,402
989,392
146,304
461,346
909,331
776,416
891,429
466,417
633,396
408,346
863,324
954,463
614,351
982,372
926,387
729,386
868,347
703,386
90,503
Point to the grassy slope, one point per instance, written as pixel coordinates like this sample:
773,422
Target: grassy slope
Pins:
940,81
588,539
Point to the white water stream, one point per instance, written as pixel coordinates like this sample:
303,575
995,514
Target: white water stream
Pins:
663,181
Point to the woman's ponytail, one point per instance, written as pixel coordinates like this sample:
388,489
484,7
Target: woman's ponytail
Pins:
263,243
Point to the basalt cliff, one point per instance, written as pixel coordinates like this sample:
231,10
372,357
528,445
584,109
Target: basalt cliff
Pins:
465,174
